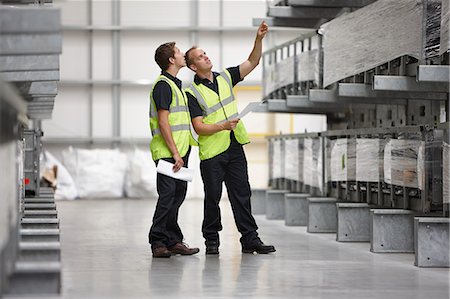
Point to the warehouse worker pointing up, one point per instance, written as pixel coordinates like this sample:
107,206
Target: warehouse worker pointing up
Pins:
170,125
213,111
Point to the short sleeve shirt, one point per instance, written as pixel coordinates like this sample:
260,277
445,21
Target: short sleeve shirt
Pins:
194,108
162,93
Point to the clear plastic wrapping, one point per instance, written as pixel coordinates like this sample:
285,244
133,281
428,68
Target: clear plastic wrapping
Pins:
446,173
277,160
291,169
285,70
395,27
312,163
269,79
369,159
445,17
433,28
404,163
301,151
343,160
308,66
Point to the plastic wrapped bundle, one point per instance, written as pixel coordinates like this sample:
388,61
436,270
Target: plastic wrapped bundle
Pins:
404,163
395,27
301,151
285,70
277,160
445,17
308,66
318,163
433,26
446,173
308,168
312,163
343,160
369,160
291,159
269,79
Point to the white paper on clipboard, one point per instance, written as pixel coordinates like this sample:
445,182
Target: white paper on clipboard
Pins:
166,168
250,107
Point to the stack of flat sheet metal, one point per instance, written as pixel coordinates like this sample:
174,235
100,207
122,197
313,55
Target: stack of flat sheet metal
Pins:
30,44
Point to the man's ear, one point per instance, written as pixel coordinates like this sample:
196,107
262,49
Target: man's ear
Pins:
193,67
172,60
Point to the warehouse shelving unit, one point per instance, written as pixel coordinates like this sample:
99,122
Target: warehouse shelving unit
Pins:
399,105
30,44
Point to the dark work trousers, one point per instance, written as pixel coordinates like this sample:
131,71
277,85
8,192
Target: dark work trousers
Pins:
165,230
229,167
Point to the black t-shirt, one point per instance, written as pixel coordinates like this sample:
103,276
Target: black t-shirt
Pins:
162,93
194,107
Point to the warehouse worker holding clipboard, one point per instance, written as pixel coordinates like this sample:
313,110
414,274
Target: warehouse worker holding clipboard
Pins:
170,125
214,113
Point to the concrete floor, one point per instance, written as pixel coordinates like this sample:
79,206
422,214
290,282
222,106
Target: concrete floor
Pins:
105,255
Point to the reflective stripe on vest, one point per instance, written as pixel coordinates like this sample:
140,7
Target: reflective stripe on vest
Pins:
174,128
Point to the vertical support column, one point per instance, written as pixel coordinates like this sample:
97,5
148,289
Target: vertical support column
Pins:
220,34
116,70
90,70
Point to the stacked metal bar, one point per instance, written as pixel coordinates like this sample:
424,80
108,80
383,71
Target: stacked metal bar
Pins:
30,44
12,109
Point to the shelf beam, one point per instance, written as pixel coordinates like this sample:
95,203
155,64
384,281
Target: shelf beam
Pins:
403,83
361,90
302,12
433,73
286,22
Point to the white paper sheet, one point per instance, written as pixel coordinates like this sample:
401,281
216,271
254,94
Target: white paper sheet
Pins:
166,168
250,107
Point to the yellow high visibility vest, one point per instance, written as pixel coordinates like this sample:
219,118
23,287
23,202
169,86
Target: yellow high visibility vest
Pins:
179,121
218,108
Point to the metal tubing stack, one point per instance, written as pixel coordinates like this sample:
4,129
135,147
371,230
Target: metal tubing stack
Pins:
30,45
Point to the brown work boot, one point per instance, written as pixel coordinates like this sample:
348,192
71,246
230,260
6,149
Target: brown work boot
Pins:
161,252
183,249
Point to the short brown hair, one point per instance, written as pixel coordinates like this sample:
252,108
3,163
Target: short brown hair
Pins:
163,53
187,56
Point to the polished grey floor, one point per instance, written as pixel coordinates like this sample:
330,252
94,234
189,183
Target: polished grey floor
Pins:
105,255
